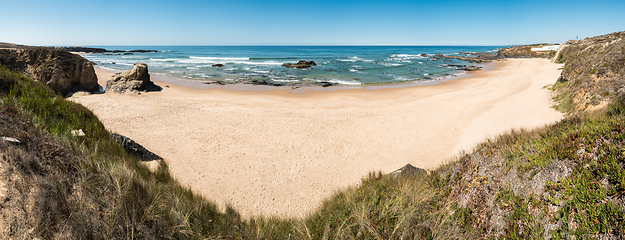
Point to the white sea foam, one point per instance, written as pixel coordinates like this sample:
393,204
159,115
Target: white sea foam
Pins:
354,59
390,64
404,57
164,59
284,80
347,60
262,63
353,70
220,58
400,78
343,82
125,64
224,61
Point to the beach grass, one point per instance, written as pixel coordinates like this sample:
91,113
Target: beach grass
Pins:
120,198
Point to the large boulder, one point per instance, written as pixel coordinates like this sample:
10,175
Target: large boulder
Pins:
60,70
137,79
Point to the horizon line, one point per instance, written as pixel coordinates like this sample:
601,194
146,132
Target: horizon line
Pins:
293,45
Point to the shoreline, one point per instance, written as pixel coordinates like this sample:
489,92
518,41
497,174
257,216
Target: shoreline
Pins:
277,153
196,84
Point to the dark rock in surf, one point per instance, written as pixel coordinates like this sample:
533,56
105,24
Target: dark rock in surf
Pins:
326,84
300,64
472,68
218,65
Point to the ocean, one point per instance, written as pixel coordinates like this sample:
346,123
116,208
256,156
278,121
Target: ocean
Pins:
342,65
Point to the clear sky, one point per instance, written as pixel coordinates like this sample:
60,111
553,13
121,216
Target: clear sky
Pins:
301,22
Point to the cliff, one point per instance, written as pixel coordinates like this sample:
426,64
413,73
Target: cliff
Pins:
60,70
594,72
525,51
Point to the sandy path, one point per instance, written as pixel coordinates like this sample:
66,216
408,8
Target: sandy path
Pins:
278,153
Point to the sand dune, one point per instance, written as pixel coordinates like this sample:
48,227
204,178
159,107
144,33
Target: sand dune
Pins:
280,153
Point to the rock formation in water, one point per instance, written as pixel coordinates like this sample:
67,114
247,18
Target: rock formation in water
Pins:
300,64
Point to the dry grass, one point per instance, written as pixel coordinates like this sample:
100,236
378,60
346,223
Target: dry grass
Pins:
88,187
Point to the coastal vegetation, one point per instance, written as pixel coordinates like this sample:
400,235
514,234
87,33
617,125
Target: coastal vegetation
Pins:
560,181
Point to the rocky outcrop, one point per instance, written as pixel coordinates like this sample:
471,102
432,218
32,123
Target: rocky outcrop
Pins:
102,50
300,64
525,52
471,68
409,169
473,57
461,67
134,148
593,73
136,80
60,70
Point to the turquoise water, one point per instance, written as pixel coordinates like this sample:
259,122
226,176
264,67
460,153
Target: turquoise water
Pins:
337,64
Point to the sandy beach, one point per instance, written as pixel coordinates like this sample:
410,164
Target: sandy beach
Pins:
281,153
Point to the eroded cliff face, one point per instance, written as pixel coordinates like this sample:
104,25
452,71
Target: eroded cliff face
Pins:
594,71
62,71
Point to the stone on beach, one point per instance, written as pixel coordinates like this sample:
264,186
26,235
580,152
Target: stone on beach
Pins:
137,79
134,148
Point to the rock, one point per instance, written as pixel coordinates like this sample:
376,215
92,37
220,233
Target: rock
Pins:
215,82
128,53
102,50
326,84
137,79
11,140
408,169
423,55
62,71
77,133
265,83
84,49
300,64
455,66
134,148
476,58
218,65
472,68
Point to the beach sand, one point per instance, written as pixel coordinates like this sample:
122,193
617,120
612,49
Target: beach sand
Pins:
280,153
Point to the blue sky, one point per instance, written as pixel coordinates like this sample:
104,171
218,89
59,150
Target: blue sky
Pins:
316,22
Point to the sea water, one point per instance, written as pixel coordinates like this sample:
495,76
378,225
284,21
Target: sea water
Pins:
346,65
